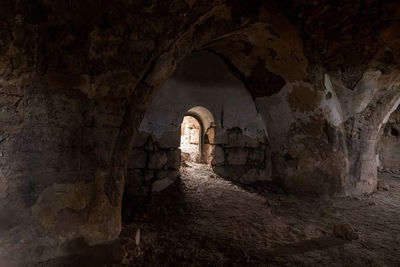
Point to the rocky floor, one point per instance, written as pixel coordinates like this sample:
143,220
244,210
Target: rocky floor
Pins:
204,220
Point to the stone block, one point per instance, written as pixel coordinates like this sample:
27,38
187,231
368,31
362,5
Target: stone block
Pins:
237,156
230,172
173,174
170,139
138,159
161,174
255,156
174,159
218,156
151,146
148,175
157,160
134,181
140,139
160,185
254,175
235,137
250,142
220,138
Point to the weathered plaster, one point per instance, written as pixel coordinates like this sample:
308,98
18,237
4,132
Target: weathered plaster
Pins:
330,104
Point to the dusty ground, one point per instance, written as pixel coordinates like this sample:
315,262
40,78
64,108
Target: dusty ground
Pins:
204,220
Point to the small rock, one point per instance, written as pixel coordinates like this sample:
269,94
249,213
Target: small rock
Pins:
137,237
185,165
345,232
184,156
268,203
160,185
382,185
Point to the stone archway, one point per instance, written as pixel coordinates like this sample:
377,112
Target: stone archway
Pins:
232,133
190,144
208,126
381,97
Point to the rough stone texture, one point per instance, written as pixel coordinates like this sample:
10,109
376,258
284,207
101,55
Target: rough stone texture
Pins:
240,162
151,168
76,79
382,185
139,159
174,159
157,160
237,156
389,145
218,156
345,231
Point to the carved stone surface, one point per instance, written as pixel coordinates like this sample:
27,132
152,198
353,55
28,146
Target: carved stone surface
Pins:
76,80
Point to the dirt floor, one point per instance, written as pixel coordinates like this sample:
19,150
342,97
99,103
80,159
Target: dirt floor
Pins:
204,220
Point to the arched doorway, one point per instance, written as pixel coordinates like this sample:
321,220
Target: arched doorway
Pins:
197,135
227,133
190,144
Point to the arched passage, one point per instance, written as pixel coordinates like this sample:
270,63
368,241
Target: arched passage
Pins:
364,130
226,132
191,141
203,131
208,125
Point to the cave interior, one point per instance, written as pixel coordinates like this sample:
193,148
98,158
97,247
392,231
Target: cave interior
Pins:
200,133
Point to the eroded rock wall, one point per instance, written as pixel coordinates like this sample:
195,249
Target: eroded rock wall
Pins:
56,148
322,113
